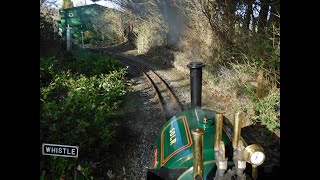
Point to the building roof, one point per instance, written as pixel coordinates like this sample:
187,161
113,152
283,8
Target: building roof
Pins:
76,7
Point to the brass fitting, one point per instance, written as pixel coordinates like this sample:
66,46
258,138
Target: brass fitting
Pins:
237,130
197,134
218,131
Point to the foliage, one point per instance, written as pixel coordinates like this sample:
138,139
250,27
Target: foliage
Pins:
94,64
145,28
91,36
261,54
46,29
67,4
236,40
112,26
268,110
43,175
85,171
238,84
46,32
50,42
87,36
144,38
229,34
47,70
151,32
62,165
81,107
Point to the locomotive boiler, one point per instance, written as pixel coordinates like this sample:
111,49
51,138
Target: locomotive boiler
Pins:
203,144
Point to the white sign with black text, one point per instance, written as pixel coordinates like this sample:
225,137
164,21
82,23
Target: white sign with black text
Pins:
60,150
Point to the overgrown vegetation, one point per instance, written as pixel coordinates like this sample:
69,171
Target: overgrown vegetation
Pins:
235,39
233,36
80,93
67,4
78,102
50,43
112,26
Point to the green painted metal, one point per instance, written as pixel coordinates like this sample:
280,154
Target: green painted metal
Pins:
79,18
174,145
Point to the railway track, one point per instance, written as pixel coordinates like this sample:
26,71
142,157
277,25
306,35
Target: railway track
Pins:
168,102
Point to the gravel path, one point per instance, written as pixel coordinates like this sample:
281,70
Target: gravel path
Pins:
138,126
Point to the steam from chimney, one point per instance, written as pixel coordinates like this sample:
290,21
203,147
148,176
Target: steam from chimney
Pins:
171,14
173,18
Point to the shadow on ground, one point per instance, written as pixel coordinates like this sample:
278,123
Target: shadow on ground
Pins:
271,144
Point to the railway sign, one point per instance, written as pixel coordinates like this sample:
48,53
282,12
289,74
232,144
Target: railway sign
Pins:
60,150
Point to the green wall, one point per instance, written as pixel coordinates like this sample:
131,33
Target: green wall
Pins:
79,18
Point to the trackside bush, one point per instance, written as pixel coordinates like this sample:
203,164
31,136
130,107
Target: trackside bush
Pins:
94,64
77,109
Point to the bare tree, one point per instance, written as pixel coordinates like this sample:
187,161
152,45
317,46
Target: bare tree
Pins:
67,4
275,13
52,3
248,16
263,15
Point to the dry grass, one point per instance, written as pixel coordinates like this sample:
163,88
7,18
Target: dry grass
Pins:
232,59
112,26
236,86
151,30
150,34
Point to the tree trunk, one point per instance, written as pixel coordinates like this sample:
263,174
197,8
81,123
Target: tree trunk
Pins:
275,13
247,19
263,15
231,8
254,24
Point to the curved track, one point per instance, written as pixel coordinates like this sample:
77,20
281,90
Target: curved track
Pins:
168,102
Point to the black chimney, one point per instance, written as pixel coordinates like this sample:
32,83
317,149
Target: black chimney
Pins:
196,83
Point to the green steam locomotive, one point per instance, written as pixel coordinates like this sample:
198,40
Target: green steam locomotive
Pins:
203,144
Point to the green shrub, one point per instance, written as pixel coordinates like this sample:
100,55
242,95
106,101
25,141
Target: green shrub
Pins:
47,70
79,107
268,109
94,64
78,101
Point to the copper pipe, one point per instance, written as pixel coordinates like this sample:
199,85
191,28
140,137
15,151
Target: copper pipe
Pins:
237,130
197,134
218,131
